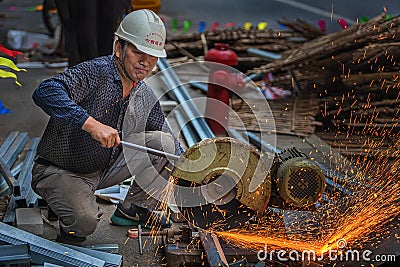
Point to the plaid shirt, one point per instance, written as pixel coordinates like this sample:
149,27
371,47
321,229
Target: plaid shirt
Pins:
92,88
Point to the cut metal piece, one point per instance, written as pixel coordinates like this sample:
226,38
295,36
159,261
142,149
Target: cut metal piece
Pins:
213,249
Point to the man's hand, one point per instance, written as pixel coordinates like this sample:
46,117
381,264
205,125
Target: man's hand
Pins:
106,135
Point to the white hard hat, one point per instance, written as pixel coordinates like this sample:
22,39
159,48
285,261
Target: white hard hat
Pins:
145,30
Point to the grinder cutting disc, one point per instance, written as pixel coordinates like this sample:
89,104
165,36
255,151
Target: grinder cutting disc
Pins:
214,181
220,218
223,214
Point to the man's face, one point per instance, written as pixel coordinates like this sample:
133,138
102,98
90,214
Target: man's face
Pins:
137,63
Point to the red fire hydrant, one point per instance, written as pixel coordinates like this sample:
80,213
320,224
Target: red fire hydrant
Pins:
222,82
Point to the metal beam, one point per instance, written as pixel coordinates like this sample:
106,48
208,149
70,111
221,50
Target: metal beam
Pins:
12,183
43,250
9,151
213,249
111,260
185,100
15,255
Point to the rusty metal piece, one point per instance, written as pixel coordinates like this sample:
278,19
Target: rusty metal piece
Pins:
137,233
213,249
226,168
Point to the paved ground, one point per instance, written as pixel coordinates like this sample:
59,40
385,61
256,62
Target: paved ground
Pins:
26,116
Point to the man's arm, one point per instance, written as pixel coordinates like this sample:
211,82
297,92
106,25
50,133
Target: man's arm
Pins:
106,135
54,99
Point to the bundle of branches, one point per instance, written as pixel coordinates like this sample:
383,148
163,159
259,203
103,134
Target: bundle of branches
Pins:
357,76
241,39
363,118
352,47
291,115
358,146
303,27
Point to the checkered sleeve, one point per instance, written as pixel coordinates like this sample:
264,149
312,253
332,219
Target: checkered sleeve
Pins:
53,98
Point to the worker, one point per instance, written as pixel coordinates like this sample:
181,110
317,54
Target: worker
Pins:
89,106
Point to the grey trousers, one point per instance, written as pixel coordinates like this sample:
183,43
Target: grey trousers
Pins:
71,195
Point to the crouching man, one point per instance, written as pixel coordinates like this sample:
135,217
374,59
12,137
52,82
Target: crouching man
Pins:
89,106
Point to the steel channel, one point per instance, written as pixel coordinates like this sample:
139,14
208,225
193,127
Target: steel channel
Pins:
213,249
16,169
111,260
9,179
7,143
15,148
10,155
15,255
28,161
43,250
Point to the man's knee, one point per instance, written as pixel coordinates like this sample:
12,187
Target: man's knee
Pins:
88,224
82,224
161,141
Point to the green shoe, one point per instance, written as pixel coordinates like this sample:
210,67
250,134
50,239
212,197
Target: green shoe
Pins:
126,222
138,215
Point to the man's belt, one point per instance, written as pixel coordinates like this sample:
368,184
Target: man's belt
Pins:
42,161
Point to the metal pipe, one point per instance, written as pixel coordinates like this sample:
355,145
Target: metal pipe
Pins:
235,134
140,239
186,132
199,85
256,139
263,53
150,150
185,100
253,76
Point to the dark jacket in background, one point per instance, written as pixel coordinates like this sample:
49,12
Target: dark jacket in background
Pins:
89,26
